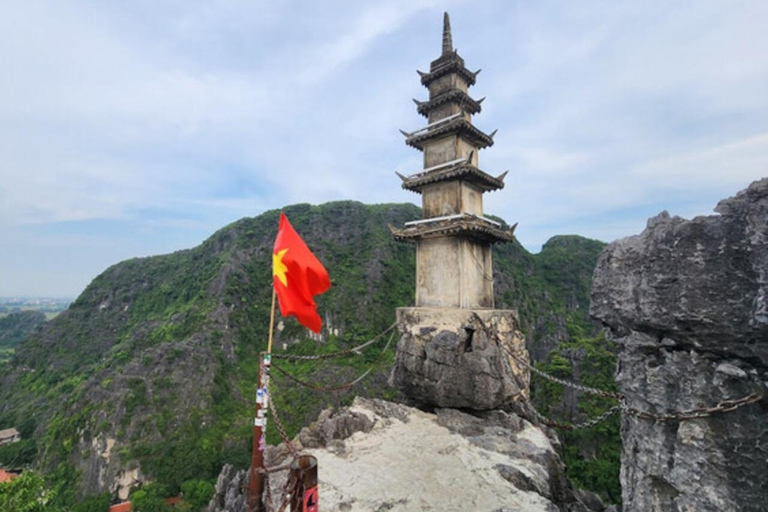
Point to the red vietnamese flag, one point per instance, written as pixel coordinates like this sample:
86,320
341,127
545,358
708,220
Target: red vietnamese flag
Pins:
297,276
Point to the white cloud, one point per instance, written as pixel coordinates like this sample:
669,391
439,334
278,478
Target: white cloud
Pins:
186,114
723,167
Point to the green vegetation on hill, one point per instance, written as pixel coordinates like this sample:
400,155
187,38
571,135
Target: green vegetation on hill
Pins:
550,289
592,455
159,355
18,324
28,493
14,327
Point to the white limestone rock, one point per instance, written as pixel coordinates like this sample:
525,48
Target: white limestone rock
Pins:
404,459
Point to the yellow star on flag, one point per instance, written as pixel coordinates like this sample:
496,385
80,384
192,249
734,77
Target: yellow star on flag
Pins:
278,267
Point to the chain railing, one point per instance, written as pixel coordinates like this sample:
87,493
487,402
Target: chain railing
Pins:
281,430
572,385
338,387
578,426
696,413
622,406
354,350
290,485
285,496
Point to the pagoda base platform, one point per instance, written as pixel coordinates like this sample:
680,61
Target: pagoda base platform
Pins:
446,358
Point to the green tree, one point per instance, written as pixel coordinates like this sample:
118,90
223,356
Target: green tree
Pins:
150,498
592,456
28,493
98,503
19,454
197,493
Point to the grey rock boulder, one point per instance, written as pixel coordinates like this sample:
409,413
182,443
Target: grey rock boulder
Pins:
686,302
446,359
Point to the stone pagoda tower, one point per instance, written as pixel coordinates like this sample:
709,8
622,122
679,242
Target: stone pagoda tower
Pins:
455,349
453,239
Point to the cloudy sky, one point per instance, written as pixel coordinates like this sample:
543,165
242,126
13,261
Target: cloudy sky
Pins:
140,127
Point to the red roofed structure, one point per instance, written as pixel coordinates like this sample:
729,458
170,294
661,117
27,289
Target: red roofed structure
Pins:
121,507
5,476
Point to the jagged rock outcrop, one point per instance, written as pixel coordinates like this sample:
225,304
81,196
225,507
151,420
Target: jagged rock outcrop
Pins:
446,358
378,455
687,303
230,494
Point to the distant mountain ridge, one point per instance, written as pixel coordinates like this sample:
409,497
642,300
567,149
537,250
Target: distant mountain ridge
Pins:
150,372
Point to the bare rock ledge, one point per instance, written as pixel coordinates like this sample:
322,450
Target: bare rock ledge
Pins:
377,456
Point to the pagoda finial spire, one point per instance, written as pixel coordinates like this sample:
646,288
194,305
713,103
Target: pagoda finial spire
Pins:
447,40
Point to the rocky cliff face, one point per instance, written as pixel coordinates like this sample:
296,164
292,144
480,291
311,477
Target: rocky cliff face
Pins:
378,455
687,303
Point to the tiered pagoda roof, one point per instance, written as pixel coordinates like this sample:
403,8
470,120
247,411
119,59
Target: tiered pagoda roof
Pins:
448,62
459,124
450,126
445,65
464,225
460,169
453,231
449,110
456,96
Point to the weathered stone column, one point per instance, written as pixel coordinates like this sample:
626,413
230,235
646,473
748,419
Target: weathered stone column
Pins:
687,303
446,358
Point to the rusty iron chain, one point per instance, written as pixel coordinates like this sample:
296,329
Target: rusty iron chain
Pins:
354,350
290,484
690,414
340,387
309,385
267,493
285,497
577,426
480,267
527,364
281,430
289,490
698,412
573,385
274,469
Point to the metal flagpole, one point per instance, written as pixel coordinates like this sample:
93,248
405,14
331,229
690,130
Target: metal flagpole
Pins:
256,487
271,321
